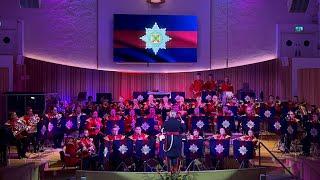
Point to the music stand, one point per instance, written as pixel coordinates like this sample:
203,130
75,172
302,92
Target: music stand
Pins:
219,149
193,149
226,122
243,151
199,122
123,149
145,151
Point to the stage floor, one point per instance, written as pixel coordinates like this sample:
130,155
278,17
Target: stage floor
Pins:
51,157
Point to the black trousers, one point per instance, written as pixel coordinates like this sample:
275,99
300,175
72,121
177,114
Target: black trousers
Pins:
57,139
22,145
34,141
3,155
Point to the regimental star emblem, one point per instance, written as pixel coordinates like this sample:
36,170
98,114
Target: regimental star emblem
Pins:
123,149
145,149
314,132
43,129
267,113
277,125
145,126
247,98
69,124
50,127
250,124
219,148
193,148
243,150
140,98
105,152
155,38
200,124
290,129
225,124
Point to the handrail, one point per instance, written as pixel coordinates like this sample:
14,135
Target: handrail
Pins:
283,166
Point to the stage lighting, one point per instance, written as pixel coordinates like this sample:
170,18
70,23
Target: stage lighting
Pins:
156,1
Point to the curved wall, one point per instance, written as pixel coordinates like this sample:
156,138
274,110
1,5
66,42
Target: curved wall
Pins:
66,32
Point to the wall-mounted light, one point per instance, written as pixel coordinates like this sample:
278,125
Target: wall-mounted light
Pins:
156,1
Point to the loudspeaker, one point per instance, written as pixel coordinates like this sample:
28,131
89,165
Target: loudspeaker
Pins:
30,3
8,41
297,6
82,96
103,96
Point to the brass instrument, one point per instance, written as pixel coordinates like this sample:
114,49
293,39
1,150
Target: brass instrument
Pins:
19,127
34,120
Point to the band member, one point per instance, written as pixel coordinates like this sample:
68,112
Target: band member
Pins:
113,119
195,135
222,134
5,138
115,135
174,128
81,119
151,102
32,121
211,84
249,137
197,86
94,126
56,127
104,108
154,119
311,140
194,120
226,85
137,107
165,107
291,131
86,149
138,135
19,129
130,122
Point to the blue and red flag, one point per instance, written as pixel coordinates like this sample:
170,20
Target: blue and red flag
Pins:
155,38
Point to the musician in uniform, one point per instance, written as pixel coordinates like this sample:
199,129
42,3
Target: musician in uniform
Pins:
226,88
197,86
115,135
32,120
5,138
86,149
138,135
211,84
222,135
58,123
290,134
130,122
249,137
174,129
19,129
94,125
195,135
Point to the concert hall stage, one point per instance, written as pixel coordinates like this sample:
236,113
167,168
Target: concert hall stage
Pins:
230,174
47,165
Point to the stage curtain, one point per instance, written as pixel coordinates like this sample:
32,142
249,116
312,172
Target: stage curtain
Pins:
309,85
269,77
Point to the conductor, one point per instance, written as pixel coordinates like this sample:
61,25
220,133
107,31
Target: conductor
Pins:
174,128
